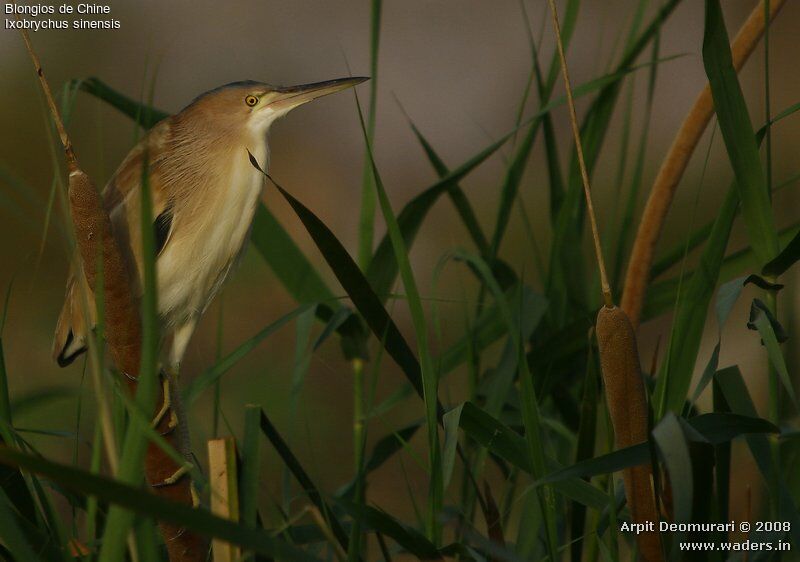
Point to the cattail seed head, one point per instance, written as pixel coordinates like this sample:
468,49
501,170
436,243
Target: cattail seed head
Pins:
96,240
627,404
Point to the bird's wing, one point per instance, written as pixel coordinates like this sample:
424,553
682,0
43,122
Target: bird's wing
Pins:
127,179
122,195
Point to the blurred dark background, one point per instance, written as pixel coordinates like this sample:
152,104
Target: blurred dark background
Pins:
458,68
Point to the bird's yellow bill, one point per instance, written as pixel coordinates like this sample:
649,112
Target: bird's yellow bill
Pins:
291,96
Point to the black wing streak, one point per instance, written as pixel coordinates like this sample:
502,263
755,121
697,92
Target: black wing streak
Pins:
162,226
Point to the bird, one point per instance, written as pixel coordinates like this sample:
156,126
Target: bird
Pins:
204,193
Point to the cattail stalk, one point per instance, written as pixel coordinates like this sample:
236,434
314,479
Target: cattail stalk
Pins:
95,239
619,360
605,287
674,165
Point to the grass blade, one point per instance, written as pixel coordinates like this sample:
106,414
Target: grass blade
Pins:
460,201
297,470
584,449
672,440
366,223
428,373
675,255
382,451
735,393
450,444
716,428
287,261
251,462
144,115
207,379
690,320
673,384
516,168
661,296
512,447
408,538
11,533
149,505
131,466
786,259
382,270
760,320
632,197
357,287
737,132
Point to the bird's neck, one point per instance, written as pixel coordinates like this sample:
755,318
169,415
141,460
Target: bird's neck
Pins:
204,159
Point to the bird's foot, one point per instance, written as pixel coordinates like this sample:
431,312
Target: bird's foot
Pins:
175,478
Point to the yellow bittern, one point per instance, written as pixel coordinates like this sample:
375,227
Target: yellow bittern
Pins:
204,194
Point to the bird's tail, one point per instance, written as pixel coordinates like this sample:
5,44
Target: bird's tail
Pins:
71,330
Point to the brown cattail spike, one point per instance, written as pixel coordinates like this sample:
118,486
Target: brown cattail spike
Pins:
627,404
95,239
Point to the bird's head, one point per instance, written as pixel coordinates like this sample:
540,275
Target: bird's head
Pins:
252,106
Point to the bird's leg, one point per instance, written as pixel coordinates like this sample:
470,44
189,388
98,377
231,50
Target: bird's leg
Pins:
169,376
171,404
168,380
166,406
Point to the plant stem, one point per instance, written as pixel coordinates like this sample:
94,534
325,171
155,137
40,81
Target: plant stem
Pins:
359,437
576,133
774,414
771,296
674,165
366,232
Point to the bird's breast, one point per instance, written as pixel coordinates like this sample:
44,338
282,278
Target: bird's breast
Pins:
209,238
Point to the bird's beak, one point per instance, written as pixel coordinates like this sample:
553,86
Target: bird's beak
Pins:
289,97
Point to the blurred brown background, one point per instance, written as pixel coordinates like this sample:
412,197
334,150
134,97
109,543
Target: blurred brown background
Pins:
458,67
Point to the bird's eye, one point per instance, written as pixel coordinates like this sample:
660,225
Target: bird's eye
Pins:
251,100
